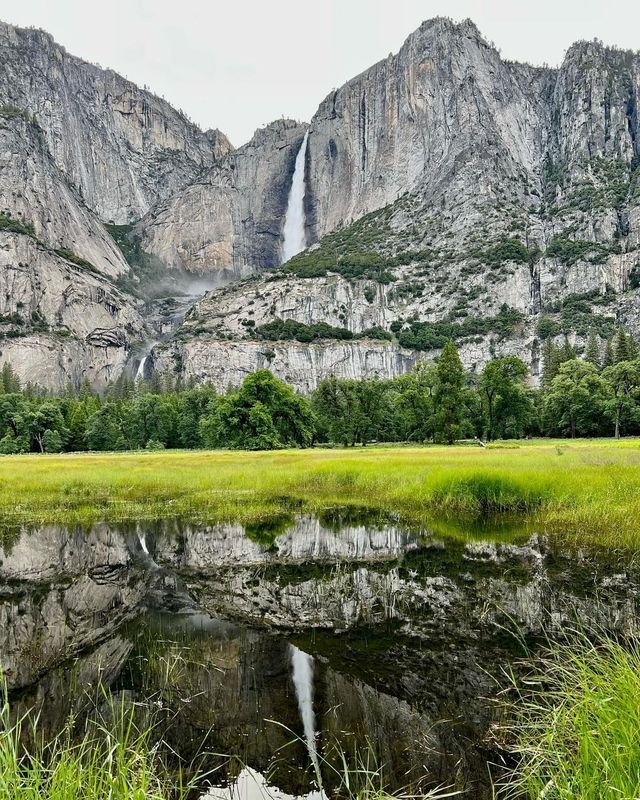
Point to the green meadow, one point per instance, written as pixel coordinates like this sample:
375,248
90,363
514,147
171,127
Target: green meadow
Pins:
581,489
572,727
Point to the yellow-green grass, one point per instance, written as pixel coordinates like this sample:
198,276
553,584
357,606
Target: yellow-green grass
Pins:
588,488
119,763
576,724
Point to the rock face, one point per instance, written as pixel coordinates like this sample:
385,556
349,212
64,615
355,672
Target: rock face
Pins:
226,364
473,136
34,190
445,105
120,147
229,223
478,183
442,184
59,322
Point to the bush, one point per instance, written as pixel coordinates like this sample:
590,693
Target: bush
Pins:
507,250
289,329
434,335
547,328
376,332
52,442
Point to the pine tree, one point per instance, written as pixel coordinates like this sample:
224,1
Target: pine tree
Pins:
608,359
449,393
9,382
551,360
622,347
592,352
567,353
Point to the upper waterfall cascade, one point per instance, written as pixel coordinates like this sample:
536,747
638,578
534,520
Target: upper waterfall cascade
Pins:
294,234
140,370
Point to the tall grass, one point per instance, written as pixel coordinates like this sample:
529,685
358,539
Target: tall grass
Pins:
116,762
588,489
361,777
120,762
577,725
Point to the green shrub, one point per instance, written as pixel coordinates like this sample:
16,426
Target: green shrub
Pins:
376,332
547,328
8,223
507,250
289,329
434,335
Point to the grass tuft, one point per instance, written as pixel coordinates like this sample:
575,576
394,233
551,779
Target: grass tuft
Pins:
577,724
106,763
486,493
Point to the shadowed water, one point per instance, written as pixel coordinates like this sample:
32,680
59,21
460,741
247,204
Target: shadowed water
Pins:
286,646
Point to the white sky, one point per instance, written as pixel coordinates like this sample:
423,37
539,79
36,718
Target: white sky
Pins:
239,64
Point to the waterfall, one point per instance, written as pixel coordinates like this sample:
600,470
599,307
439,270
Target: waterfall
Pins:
302,667
140,372
294,236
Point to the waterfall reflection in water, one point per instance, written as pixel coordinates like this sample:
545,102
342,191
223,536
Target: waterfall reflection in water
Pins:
302,667
251,785
362,635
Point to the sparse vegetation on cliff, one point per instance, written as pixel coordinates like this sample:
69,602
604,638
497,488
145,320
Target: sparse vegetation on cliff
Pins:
13,225
434,335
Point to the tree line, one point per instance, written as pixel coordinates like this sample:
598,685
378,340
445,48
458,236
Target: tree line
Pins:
438,401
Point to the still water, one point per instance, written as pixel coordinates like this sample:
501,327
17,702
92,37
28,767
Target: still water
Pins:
268,654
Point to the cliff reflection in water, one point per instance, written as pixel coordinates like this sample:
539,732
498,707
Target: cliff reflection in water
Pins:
406,633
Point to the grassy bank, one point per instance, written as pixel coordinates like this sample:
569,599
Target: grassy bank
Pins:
577,725
103,764
590,488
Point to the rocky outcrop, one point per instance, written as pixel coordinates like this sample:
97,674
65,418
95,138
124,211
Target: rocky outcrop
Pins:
223,363
230,222
478,141
36,193
444,109
121,147
60,322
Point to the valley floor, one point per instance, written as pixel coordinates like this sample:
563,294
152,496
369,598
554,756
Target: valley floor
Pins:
581,489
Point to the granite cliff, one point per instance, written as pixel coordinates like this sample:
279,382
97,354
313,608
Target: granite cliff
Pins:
446,185
448,193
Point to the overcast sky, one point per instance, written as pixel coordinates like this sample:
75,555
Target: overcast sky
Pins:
238,64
